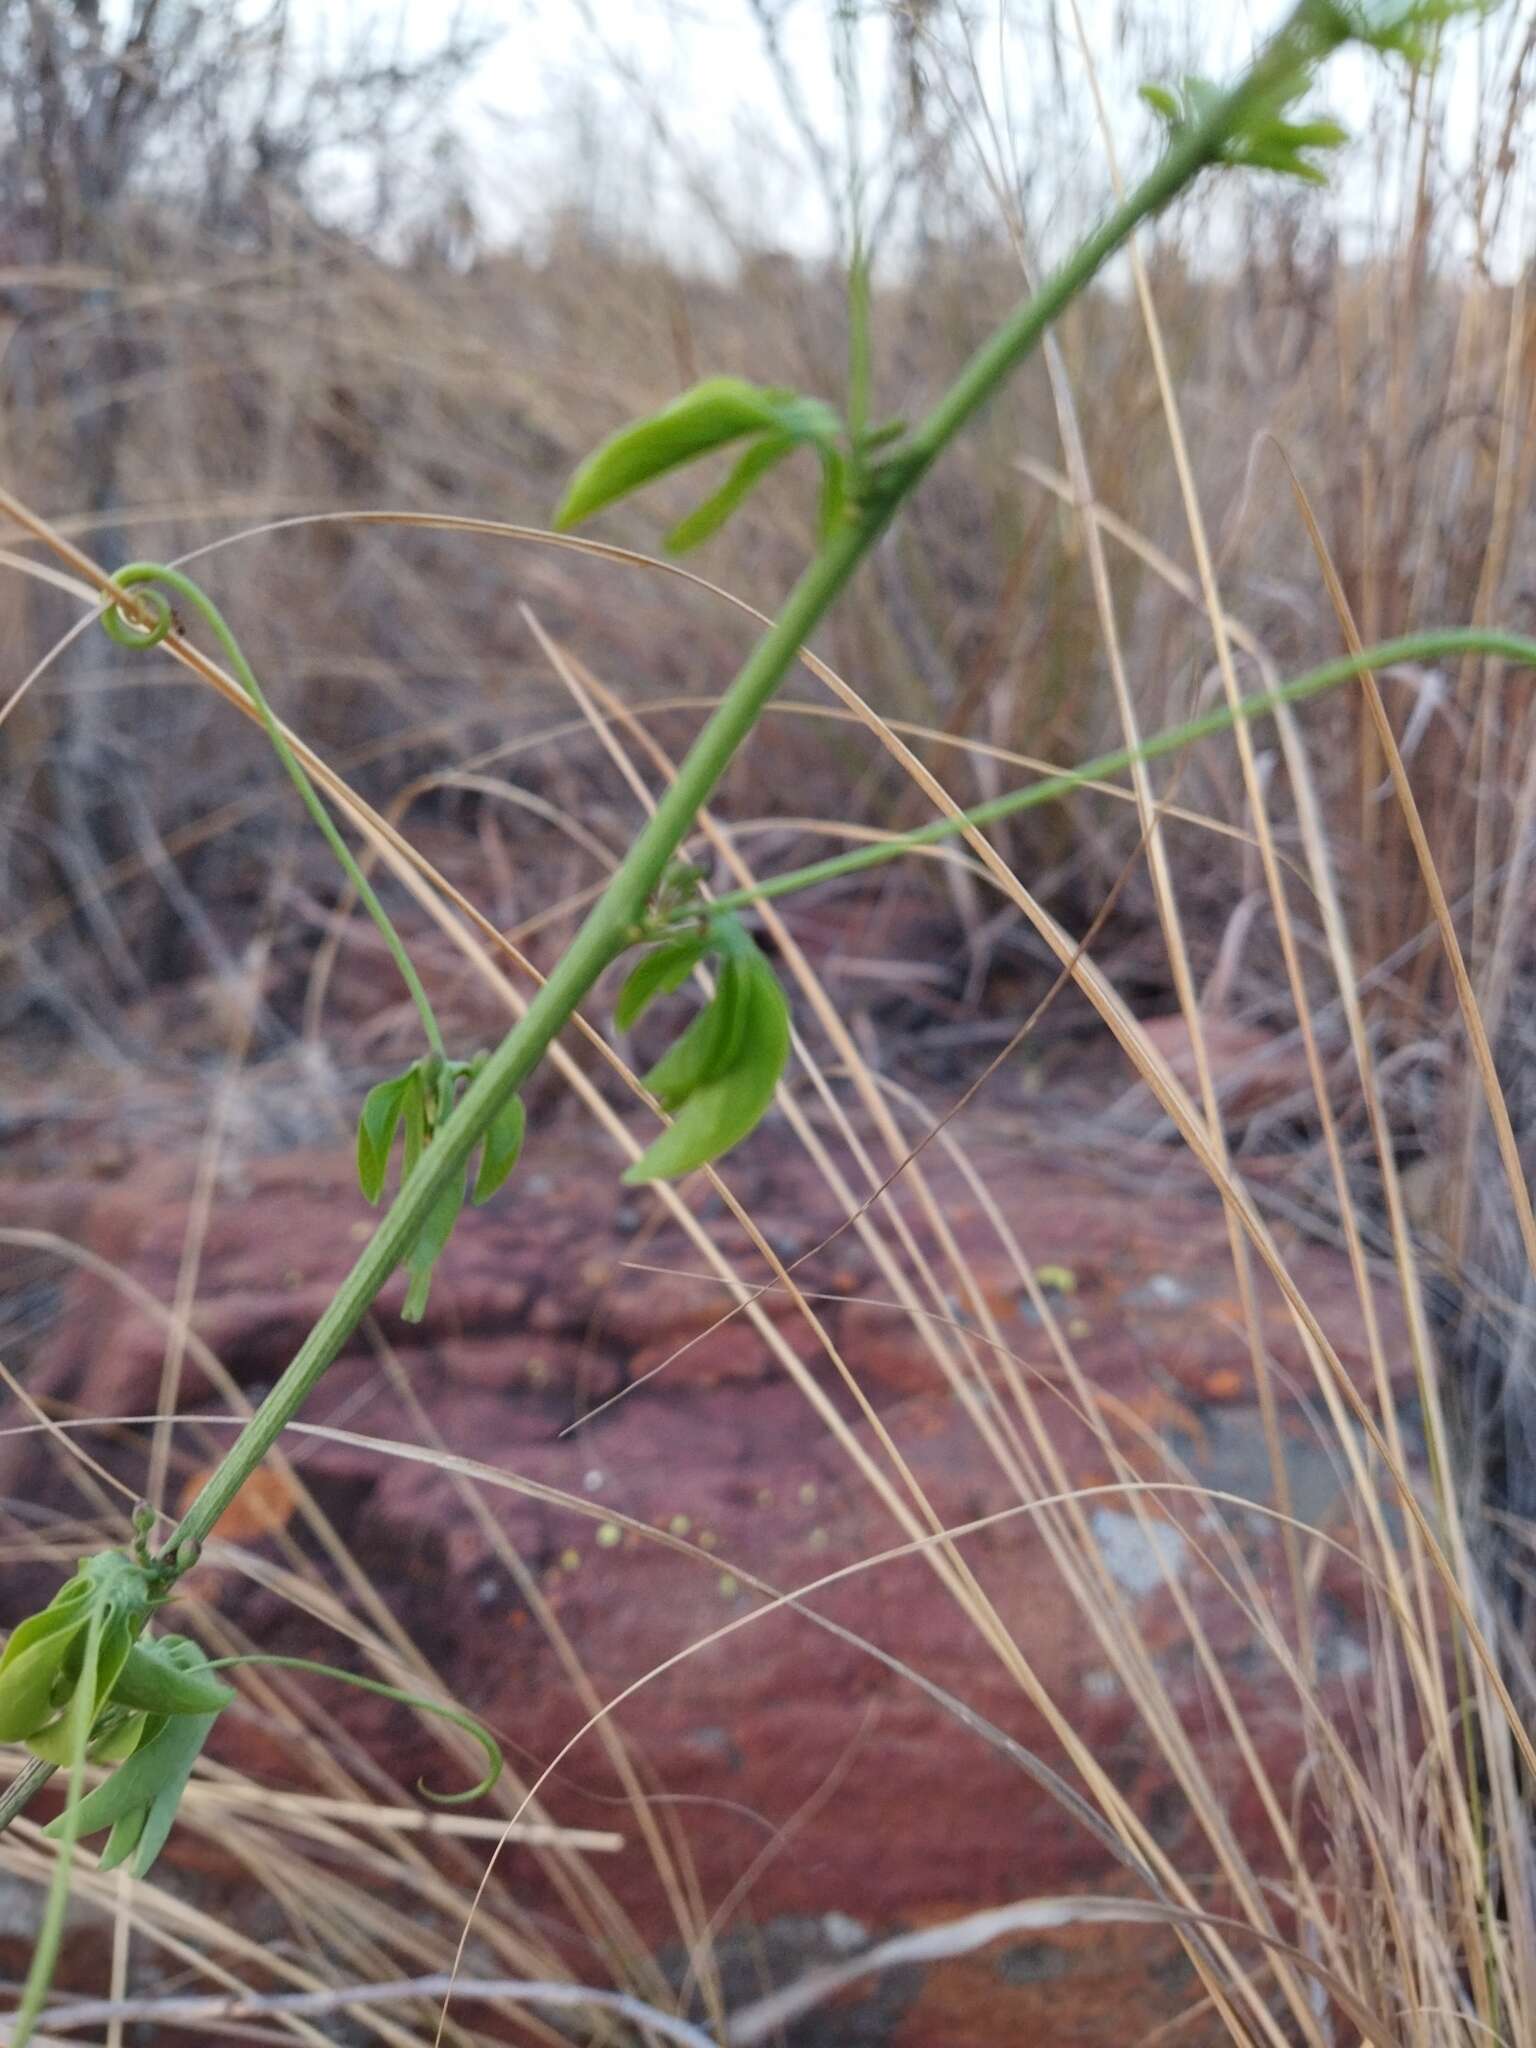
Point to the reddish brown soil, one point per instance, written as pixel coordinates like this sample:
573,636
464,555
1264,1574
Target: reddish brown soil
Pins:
878,1805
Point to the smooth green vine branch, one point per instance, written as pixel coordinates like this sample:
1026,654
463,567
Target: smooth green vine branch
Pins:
143,577
1385,654
1315,29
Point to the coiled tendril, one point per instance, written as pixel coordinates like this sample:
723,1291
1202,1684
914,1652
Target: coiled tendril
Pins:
121,627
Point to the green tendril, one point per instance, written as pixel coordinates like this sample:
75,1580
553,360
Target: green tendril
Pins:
1413,647
456,1715
126,631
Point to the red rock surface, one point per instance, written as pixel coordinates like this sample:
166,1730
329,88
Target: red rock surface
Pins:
895,1814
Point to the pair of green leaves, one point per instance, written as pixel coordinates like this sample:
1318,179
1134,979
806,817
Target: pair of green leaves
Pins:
1393,28
155,1747
415,1104
80,1679
1268,141
45,1662
719,1077
720,412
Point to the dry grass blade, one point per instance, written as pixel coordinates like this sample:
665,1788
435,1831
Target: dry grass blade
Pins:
202,2011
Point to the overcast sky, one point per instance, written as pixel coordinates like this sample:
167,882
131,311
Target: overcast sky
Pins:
640,106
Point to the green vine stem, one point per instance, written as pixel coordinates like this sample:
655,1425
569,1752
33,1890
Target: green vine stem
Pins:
142,577
1386,654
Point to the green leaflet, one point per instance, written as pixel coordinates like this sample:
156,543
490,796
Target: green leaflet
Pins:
78,1717
705,1048
1400,28
139,1801
33,1662
383,1108
415,1129
708,518
1267,141
117,1736
104,1605
711,416
434,1235
499,1152
657,973
720,1075
412,1105
159,1677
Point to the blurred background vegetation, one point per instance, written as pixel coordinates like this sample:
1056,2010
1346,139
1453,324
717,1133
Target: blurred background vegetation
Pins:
249,272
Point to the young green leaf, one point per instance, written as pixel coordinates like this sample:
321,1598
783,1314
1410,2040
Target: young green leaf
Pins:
115,1738
1162,102
710,416
704,1048
499,1153
158,1679
733,1089
707,520
1266,142
657,973
434,1234
415,1120
805,420
1400,28
139,1801
106,1601
721,1111
383,1107
103,1601
31,1667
